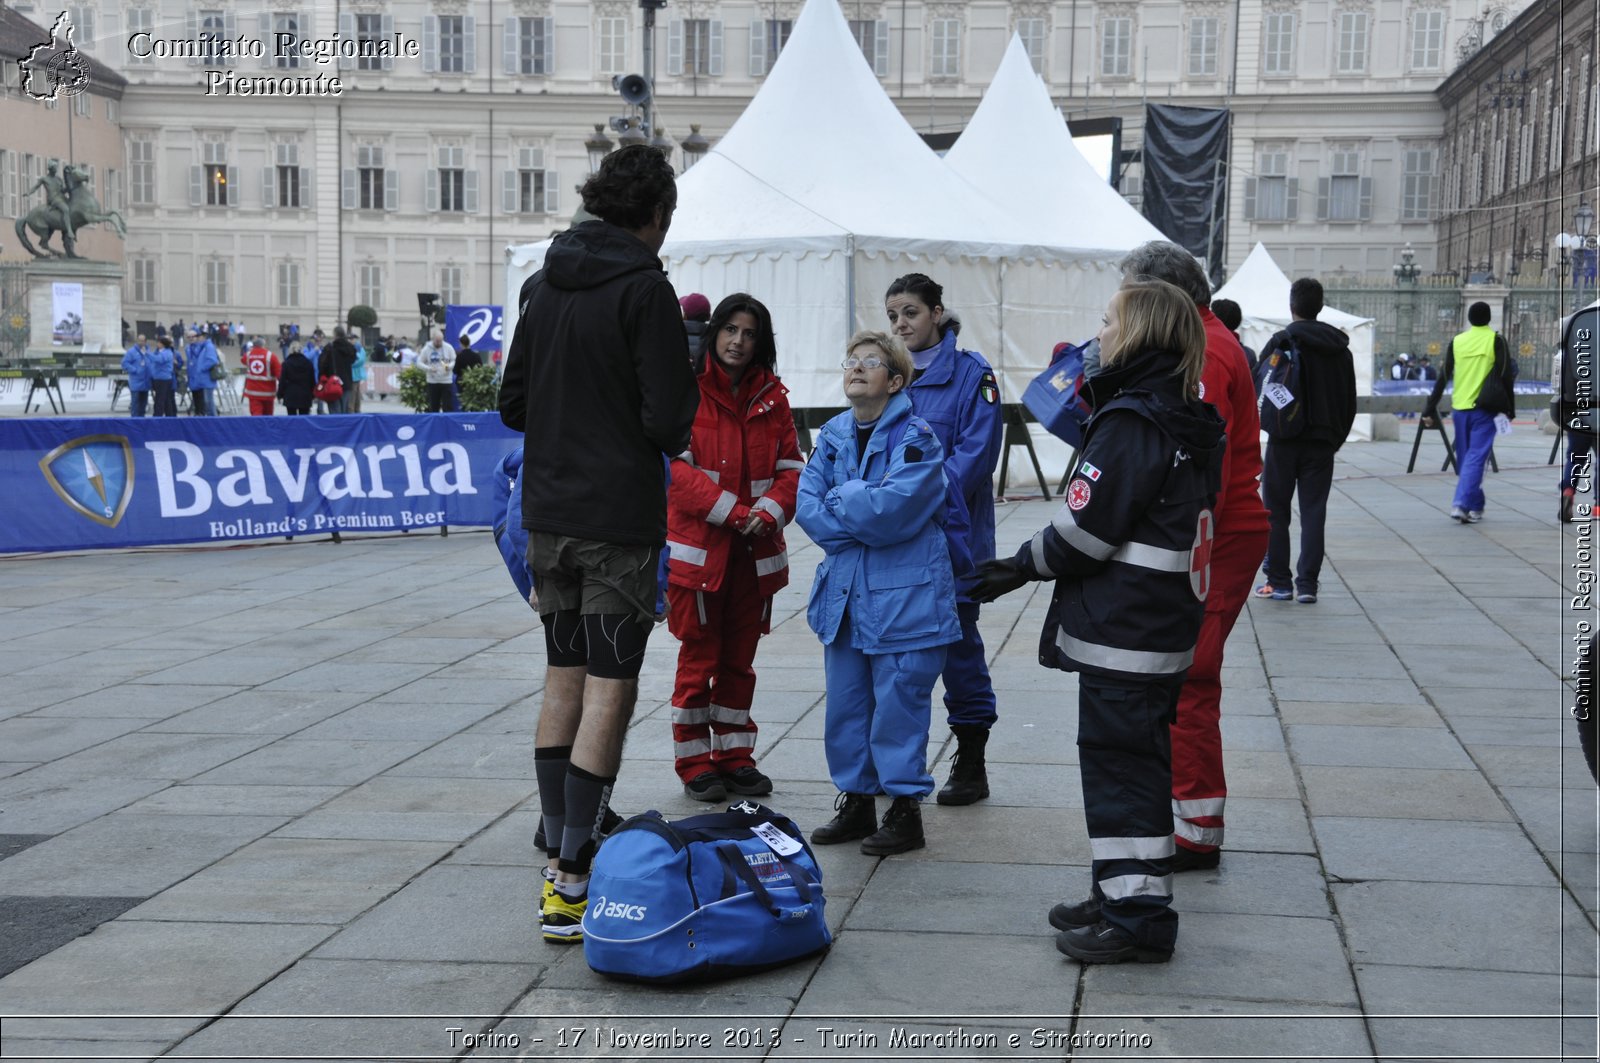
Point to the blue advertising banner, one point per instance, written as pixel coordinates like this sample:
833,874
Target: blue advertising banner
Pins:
480,323
84,483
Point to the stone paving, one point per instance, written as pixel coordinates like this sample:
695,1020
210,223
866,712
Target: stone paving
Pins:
251,797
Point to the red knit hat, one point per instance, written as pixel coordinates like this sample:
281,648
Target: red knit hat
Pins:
696,306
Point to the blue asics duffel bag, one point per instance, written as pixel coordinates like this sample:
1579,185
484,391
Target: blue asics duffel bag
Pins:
706,897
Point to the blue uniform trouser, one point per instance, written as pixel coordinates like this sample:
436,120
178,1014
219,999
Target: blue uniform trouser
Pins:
968,693
879,708
1125,760
137,401
1474,440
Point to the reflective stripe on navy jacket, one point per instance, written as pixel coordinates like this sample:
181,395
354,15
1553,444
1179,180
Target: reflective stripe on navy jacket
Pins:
878,520
1130,546
950,396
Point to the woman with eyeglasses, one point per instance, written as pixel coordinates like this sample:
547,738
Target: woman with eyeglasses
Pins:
883,602
955,391
730,495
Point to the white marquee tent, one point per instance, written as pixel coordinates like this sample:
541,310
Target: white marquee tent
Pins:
821,194
1262,291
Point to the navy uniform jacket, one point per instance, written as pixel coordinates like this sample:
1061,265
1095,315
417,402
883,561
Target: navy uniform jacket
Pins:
958,396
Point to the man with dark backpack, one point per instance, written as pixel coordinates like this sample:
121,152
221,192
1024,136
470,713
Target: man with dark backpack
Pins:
1308,403
1484,372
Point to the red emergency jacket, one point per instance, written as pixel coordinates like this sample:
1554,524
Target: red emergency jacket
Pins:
743,458
261,369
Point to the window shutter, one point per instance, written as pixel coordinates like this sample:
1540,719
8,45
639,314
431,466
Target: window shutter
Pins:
1324,186
758,47
1292,200
197,186
308,30
1249,198
675,46
880,47
388,35
230,27
268,51
470,188
191,25
111,25
307,189
347,190
469,30
510,42
430,201
508,191
550,200
1366,199
347,30
233,186
391,190
549,48
269,186
716,47
430,43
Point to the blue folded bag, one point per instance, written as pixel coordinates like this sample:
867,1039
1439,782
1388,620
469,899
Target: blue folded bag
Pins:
1055,396
710,896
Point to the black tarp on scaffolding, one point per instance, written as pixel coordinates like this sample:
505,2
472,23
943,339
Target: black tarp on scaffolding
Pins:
1186,178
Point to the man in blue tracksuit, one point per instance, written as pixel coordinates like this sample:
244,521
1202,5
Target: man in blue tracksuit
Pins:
136,363
200,357
956,393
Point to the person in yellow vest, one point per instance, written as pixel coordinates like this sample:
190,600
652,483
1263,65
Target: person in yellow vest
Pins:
1479,362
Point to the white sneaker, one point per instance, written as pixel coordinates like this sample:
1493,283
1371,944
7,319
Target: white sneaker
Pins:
1474,516
1458,514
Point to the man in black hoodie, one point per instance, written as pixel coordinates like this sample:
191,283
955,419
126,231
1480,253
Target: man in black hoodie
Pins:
597,381
1328,394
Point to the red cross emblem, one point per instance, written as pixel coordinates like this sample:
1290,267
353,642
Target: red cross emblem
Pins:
1200,555
1077,494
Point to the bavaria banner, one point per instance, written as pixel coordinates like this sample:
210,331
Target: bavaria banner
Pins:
83,483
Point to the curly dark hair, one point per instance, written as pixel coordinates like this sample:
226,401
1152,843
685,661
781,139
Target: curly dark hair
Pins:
766,354
631,183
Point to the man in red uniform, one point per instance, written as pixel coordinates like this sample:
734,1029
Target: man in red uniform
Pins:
261,370
1199,785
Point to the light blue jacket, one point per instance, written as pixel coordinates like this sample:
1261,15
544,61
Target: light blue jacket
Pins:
879,521
200,357
359,370
136,363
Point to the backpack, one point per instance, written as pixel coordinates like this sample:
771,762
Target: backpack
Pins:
1577,363
1283,414
1055,396
710,896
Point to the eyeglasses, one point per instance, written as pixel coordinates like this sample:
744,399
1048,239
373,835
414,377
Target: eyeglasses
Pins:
862,363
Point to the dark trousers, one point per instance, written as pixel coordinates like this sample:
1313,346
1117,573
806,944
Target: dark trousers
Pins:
297,411
1125,759
968,691
164,398
1306,468
439,398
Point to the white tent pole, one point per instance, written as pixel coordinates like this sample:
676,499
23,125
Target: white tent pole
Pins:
1000,352
850,288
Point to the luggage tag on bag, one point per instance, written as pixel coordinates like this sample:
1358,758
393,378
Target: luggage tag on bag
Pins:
776,840
1278,395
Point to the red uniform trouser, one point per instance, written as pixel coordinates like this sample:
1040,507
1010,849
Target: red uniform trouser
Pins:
1199,786
711,725
260,406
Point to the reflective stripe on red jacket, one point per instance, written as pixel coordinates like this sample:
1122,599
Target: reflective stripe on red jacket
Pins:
261,369
743,458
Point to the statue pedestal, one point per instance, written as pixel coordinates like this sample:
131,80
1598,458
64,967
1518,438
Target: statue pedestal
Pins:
101,284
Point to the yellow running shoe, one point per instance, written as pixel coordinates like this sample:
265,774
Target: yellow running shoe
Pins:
546,887
562,919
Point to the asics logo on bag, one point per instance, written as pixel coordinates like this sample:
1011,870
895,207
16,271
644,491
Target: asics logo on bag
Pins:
601,908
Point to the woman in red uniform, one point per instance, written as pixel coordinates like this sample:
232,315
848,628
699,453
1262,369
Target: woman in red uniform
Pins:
732,492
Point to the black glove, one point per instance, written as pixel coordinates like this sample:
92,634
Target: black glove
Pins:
992,578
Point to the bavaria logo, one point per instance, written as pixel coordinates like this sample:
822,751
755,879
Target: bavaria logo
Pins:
93,475
601,908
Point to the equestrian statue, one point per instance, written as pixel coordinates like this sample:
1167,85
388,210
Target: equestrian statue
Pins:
69,206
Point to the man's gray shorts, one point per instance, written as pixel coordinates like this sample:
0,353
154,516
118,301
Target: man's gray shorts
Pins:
586,576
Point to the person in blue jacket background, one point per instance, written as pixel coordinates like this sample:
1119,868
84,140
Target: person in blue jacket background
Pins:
136,363
163,369
883,601
955,391
199,359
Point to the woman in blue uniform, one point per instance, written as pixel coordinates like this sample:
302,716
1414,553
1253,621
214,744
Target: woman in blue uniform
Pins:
956,393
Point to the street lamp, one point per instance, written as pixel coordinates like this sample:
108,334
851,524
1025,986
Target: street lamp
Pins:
663,143
694,147
1577,242
1406,269
598,146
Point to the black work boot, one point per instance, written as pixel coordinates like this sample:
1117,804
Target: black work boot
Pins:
857,818
1066,916
901,831
969,780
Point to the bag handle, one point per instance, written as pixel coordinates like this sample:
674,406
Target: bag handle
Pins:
733,856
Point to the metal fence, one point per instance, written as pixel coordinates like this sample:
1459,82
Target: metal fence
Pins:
1420,318
13,311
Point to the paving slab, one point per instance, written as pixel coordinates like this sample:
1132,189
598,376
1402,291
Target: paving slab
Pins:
1208,1028
1421,850
1377,747
490,920
295,762
1401,793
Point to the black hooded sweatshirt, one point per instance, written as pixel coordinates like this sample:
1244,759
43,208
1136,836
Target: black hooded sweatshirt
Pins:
1327,379
598,383
1131,546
